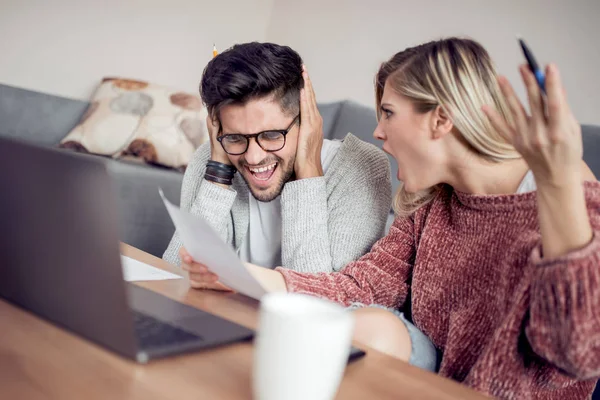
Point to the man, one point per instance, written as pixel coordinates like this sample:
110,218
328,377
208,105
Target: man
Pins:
268,182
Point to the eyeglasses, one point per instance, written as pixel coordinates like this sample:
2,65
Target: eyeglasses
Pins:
236,144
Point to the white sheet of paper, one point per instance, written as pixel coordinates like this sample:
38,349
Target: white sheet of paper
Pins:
206,247
134,270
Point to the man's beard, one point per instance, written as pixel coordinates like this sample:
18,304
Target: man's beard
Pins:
272,193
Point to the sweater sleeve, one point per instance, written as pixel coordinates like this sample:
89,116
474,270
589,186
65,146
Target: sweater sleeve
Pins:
328,223
204,199
381,276
564,320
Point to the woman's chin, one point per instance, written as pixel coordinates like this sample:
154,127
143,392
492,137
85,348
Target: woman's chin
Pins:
410,189
410,186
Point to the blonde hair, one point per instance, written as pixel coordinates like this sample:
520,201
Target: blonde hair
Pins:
458,75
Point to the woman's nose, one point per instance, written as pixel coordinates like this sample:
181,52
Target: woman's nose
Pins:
378,133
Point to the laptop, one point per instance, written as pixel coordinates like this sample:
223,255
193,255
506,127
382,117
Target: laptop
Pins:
59,259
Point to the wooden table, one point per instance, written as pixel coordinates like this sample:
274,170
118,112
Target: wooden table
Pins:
41,361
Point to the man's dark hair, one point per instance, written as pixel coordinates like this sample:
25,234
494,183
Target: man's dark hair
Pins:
251,71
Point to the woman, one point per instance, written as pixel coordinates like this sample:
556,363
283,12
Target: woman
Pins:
495,250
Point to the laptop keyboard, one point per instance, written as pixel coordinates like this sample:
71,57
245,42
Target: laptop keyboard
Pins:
153,333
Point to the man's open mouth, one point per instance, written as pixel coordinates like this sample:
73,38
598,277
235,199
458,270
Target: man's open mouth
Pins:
263,173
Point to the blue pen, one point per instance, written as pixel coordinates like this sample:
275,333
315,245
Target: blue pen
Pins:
533,66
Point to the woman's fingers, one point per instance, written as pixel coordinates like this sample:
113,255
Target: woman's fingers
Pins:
206,277
213,284
183,253
195,268
537,133
200,276
534,94
499,123
516,108
558,108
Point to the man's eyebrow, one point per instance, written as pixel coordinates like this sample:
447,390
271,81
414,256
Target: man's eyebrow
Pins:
246,134
234,133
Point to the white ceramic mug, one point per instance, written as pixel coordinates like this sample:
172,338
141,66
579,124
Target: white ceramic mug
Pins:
301,347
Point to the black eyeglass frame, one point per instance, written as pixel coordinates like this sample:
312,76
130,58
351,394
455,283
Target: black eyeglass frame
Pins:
256,136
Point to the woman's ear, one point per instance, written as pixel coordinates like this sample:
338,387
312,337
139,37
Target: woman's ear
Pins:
441,123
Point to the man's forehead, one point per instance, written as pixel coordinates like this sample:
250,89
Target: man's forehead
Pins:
256,115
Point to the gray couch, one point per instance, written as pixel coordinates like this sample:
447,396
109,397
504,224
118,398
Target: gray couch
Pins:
144,223
46,119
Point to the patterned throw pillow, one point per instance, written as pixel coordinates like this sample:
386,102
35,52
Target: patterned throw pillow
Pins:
141,121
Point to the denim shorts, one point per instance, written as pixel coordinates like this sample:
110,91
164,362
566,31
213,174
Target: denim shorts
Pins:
423,353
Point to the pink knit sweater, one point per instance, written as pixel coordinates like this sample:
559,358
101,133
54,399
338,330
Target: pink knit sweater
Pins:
468,269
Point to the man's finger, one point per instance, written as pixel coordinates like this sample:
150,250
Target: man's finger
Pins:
305,112
310,90
308,94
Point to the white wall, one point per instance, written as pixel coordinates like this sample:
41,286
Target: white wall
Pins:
65,47
343,42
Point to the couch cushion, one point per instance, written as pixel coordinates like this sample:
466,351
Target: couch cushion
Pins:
591,147
143,218
141,120
361,121
329,113
37,117
357,119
